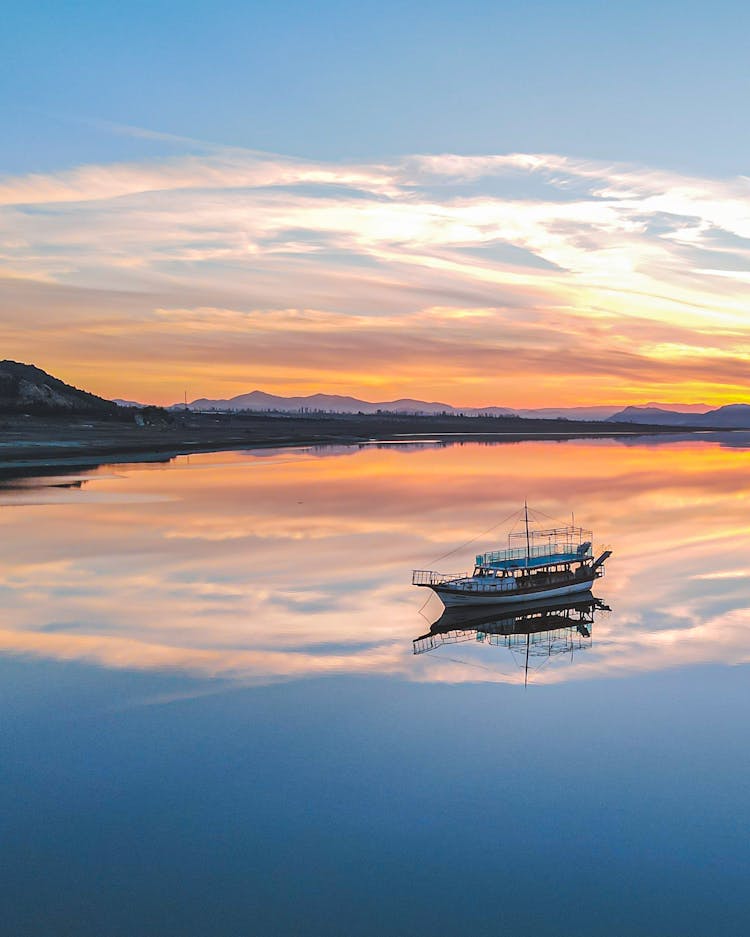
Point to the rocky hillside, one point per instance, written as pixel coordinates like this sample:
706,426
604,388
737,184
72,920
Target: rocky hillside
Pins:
24,388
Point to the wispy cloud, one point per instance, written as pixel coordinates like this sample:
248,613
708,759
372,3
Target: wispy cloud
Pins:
623,278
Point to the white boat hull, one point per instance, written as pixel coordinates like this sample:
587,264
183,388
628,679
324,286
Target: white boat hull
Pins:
450,597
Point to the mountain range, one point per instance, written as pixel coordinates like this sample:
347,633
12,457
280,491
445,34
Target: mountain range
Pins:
333,403
24,387
732,416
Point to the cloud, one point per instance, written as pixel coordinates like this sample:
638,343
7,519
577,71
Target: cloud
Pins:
598,278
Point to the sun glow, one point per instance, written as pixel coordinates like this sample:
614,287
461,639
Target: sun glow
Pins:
234,270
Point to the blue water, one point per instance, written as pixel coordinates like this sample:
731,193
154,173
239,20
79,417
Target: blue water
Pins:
345,806
165,800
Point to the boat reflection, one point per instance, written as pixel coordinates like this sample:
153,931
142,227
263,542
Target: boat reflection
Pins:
538,631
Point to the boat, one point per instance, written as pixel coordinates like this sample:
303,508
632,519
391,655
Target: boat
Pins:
538,564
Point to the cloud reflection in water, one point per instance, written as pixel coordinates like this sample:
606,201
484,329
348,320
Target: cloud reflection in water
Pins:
297,564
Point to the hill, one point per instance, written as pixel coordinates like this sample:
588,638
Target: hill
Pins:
654,415
324,403
258,400
25,388
731,416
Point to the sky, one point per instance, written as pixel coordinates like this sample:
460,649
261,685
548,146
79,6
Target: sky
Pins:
513,204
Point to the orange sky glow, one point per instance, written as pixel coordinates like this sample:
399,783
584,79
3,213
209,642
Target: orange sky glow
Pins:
154,573
517,280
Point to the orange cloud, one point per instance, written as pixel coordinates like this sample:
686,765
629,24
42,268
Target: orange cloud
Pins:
582,280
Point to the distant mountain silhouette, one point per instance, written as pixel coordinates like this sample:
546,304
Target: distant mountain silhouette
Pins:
731,416
654,416
26,388
334,403
258,400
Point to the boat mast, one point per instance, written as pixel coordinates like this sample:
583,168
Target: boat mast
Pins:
528,542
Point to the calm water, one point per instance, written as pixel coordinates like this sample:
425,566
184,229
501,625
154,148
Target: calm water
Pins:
213,721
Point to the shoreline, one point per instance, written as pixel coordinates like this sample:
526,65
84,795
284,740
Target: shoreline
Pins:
31,446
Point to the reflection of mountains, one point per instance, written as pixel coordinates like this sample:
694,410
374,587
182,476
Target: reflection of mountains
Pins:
537,629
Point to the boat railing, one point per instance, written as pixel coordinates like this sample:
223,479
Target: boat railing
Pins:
568,534
495,584
564,550
468,583
426,577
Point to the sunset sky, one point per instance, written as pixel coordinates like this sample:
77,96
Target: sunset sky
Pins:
477,203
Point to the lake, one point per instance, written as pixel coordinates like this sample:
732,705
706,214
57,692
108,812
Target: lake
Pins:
213,720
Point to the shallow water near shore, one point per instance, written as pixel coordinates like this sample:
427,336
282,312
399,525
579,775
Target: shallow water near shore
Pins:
214,721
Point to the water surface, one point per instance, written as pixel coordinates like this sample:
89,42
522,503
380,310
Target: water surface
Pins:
213,720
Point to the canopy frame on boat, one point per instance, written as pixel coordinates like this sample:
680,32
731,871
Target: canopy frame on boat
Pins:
535,549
